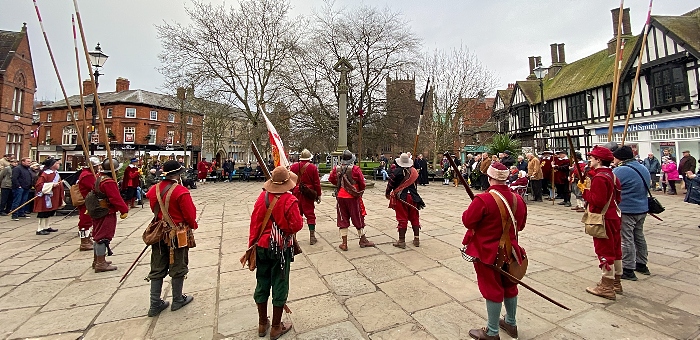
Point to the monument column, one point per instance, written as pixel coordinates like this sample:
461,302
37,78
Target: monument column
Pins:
343,66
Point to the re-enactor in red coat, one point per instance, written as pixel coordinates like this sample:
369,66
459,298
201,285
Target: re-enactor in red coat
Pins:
347,176
308,175
86,183
130,181
274,247
402,193
202,170
49,189
483,220
103,229
605,187
546,166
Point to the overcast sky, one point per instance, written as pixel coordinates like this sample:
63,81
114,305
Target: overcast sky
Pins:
501,33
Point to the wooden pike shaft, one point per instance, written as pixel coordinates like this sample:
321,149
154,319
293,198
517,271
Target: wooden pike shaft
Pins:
420,118
616,71
573,158
256,152
455,168
82,101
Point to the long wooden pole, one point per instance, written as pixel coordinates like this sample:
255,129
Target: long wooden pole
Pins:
636,76
71,114
94,89
420,118
616,70
82,101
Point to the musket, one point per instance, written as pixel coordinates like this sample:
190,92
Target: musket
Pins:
573,158
420,118
461,178
133,264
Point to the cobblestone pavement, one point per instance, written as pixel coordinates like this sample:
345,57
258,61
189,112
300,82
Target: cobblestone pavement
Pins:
48,291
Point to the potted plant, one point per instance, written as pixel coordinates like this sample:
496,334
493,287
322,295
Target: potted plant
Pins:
111,135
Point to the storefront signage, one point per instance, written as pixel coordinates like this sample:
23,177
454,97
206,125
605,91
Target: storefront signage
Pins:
667,124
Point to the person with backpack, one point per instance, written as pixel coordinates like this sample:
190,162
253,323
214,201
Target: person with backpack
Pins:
86,183
308,190
104,227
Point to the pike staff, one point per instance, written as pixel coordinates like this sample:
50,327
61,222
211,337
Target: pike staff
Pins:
94,88
572,156
619,49
420,118
455,168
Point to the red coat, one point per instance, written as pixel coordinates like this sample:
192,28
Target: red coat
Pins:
86,181
561,176
357,176
546,165
286,215
574,173
202,170
181,207
310,179
57,196
109,187
131,177
602,186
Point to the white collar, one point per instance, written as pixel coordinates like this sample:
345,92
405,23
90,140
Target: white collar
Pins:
48,171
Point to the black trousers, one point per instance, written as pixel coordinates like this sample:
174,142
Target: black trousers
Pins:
484,179
536,190
6,200
564,192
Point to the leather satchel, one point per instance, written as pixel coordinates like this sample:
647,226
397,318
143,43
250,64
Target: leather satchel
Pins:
306,191
594,223
157,229
250,255
76,196
507,256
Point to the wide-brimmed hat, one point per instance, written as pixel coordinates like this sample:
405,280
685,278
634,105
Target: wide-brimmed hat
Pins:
561,152
602,153
404,161
172,167
347,158
305,155
281,180
498,171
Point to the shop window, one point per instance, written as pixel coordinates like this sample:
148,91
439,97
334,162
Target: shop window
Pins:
576,108
129,134
669,85
663,134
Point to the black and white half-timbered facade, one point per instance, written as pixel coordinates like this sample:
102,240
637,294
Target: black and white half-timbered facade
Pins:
578,95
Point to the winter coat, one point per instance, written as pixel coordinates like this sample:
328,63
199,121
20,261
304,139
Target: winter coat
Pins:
652,165
693,194
671,171
6,177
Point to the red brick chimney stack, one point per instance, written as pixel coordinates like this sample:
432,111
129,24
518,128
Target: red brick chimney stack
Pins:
122,84
87,87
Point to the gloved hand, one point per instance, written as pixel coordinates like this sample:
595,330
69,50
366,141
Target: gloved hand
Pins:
124,215
587,181
581,186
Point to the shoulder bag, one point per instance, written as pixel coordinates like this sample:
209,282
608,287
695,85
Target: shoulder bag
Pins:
655,206
507,256
156,230
306,191
76,196
594,223
96,202
251,253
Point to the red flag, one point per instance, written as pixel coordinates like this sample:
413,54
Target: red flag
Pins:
278,154
35,132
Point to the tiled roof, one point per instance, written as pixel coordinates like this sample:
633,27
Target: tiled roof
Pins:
505,96
9,41
686,27
531,90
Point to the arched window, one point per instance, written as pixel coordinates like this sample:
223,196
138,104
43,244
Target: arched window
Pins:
70,135
18,95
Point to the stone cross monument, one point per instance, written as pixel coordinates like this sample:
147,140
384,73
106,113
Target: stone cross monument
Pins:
343,66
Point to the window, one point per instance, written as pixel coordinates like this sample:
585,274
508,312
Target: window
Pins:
623,98
171,117
109,113
576,107
669,85
152,133
523,113
189,120
169,138
188,139
561,143
17,101
663,134
130,112
68,116
48,117
47,140
70,135
547,116
129,134
154,115
14,144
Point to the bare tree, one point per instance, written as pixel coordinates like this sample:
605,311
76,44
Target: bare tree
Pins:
455,75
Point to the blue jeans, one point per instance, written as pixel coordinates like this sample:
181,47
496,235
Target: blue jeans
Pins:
384,174
231,174
138,193
20,196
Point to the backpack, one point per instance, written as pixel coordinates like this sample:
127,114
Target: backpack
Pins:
96,202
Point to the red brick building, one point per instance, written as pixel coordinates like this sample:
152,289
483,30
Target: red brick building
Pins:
17,87
138,122
475,124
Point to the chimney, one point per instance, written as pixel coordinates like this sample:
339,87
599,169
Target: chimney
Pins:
562,56
87,87
181,93
538,61
553,52
616,20
626,28
122,84
626,25
190,93
511,86
531,75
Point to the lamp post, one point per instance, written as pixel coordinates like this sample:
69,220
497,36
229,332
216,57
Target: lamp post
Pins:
540,73
97,59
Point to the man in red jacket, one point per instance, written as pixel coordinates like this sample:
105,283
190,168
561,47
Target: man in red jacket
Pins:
86,183
350,184
308,176
130,182
274,247
202,170
484,221
561,177
181,209
103,229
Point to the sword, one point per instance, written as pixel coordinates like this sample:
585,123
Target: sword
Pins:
133,264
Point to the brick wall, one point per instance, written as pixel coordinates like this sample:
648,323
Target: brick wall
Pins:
20,67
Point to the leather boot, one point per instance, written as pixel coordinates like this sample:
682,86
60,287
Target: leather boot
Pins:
312,237
604,289
480,334
511,330
102,266
157,304
364,242
344,245
85,244
131,203
278,327
179,300
94,261
401,243
617,284
416,233
263,320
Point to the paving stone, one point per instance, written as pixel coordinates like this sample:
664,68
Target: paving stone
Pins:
34,266
415,261
13,318
356,252
239,314
237,283
451,283
199,333
547,310
306,284
124,329
198,314
127,303
15,279
438,250
339,331
204,258
570,284
686,302
598,321
557,334
300,262
55,322
201,279
329,262
316,312
349,283
376,311
407,331
389,249
380,268
82,294
658,316
458,265
411,292
529,324
449,321
327,241
555,260
32,294
64,269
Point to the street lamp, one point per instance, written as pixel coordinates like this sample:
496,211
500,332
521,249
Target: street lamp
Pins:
97,59
540,73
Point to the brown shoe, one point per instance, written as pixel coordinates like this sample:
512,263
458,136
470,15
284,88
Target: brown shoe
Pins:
263,320
416,242
511,330
401,243
344,246
579,209
85,244
604,289
102,266
617,284
278,327
480,334
364,242
94,261
574,208
312,237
